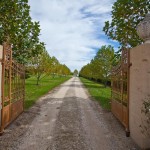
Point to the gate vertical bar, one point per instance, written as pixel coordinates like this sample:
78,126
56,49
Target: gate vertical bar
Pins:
1,64
10,90
23,72
128,89
2,86
122,90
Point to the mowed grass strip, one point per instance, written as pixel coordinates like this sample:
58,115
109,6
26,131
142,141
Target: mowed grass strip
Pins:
98,92
33,91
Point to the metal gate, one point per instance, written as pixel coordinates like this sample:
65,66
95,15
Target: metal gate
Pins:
120,90
12,86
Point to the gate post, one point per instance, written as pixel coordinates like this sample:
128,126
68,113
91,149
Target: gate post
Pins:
1,57
140,86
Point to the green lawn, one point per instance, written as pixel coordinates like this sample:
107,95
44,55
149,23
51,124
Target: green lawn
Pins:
98,92
33,91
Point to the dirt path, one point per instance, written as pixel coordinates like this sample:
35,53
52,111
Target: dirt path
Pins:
66,119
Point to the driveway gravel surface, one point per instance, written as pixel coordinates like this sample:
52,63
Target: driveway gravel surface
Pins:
66,119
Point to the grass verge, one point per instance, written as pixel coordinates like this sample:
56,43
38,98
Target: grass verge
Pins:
33,91
98,92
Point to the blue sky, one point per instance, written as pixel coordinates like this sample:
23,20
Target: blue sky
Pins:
72,29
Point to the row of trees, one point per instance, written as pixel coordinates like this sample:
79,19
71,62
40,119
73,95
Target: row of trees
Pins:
43,65
126,15
18,29
99,68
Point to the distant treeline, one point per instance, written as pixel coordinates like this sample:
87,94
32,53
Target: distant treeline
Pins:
99,69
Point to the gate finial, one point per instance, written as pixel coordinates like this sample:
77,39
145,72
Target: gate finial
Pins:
143,29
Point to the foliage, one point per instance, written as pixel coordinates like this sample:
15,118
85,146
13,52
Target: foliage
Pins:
145,126
17,28
126,14
27,74
43,65
58,69
98,92
33,92
104,59
53,70
100,67
75,73
63,70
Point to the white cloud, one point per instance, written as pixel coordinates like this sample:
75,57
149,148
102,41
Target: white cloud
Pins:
70,28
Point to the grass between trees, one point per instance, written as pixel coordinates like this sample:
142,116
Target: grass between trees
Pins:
99,92
33,91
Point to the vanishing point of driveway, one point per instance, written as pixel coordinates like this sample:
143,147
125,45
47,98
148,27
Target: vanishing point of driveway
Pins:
66,119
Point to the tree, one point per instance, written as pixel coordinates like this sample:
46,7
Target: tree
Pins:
104,60
54,67
126,14
18,29
43,65
100,67
65,70
86,71
40,64
75,73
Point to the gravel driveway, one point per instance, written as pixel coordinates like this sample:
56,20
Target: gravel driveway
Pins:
66,119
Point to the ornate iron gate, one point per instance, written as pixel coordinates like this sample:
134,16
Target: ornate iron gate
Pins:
120,90
13,87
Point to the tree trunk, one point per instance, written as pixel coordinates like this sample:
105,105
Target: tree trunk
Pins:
37,82
105,83
38,79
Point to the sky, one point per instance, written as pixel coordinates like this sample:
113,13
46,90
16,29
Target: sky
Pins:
72,29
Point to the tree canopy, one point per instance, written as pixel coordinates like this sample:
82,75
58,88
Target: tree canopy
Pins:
18,29
99,68
75,73
126,14
43,64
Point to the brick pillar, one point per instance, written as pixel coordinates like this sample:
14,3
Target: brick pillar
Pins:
139,90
